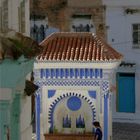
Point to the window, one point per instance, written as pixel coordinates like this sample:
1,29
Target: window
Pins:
81,28
4,15
136,35
82,23
126,92
21,12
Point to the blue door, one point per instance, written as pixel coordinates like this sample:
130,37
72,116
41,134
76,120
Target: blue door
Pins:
126,92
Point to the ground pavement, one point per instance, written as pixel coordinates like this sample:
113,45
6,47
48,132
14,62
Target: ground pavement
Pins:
121,131
126,131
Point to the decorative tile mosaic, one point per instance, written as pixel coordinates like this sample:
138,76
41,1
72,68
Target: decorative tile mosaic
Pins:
67,82
73,96
71,73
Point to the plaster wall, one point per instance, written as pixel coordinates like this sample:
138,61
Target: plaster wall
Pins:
25,118
5,94
119,36
121,3
63,90
14,95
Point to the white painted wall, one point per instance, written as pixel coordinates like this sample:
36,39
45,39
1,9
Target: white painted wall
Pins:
121,2
63,90
119,34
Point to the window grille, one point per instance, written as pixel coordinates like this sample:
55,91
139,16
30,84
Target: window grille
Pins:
136,35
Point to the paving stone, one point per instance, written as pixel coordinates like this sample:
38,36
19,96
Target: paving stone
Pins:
126,131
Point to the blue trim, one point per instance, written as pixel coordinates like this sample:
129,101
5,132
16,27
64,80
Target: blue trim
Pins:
51,93
76,73
81,73
86,73
57,73
92,93
41,73
62,73
91,73
52,73
74,103
53,105
38,116
47,73
70,82
72,73
101,73
106,116
96,73
66,73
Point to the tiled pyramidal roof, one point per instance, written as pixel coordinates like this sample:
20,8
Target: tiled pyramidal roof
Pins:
65,46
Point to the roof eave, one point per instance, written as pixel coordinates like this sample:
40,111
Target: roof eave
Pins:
112,64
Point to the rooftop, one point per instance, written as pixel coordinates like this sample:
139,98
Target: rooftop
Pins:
69,46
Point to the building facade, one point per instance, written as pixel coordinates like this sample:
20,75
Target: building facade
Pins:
67,16
15,15
74,74
123,22
15,103
14,124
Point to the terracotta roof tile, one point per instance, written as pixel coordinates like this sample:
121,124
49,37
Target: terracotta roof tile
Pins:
77,47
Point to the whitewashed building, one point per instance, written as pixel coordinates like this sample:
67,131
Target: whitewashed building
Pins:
74,73
123,33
